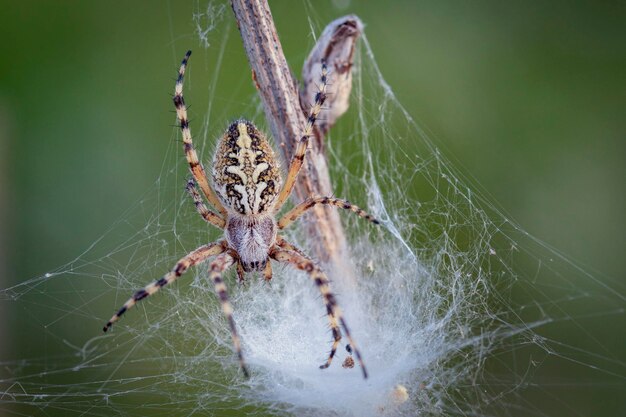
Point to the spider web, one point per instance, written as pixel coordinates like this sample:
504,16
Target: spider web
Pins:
440,307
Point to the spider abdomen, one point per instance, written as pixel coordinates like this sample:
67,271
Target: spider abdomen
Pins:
251,237
246,174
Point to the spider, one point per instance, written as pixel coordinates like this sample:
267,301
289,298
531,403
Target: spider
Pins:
248,192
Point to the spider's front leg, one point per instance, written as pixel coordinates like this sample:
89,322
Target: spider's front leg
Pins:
300,152
190,153
333,311
197,256
216,269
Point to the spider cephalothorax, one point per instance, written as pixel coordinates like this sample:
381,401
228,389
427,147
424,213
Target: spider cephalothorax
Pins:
249,192
251,237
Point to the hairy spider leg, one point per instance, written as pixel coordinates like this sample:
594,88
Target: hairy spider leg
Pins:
206,214
333,311
241,273
300,152
267,272
296,212
280,241
216,269
192,157
199,255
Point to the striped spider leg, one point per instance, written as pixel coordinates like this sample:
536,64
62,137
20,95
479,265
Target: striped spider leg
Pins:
195,257
299,210
288,253
332,309
190,152
298,157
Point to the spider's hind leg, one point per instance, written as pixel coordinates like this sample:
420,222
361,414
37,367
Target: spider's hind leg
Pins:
216,269
335,317
195,257
334,327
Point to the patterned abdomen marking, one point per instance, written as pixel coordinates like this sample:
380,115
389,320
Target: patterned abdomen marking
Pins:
246,174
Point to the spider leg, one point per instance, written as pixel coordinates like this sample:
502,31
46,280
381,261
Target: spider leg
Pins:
216,269
267,272
197,256
333,311
298,156
280,241
296,212
192,157
241,273
284,244
206,214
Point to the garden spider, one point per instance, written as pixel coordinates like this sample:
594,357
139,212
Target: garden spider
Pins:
248,195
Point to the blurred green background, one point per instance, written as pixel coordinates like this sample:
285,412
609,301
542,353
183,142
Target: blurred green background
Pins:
527,97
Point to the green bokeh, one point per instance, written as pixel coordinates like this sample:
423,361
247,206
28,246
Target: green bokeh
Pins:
526,97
